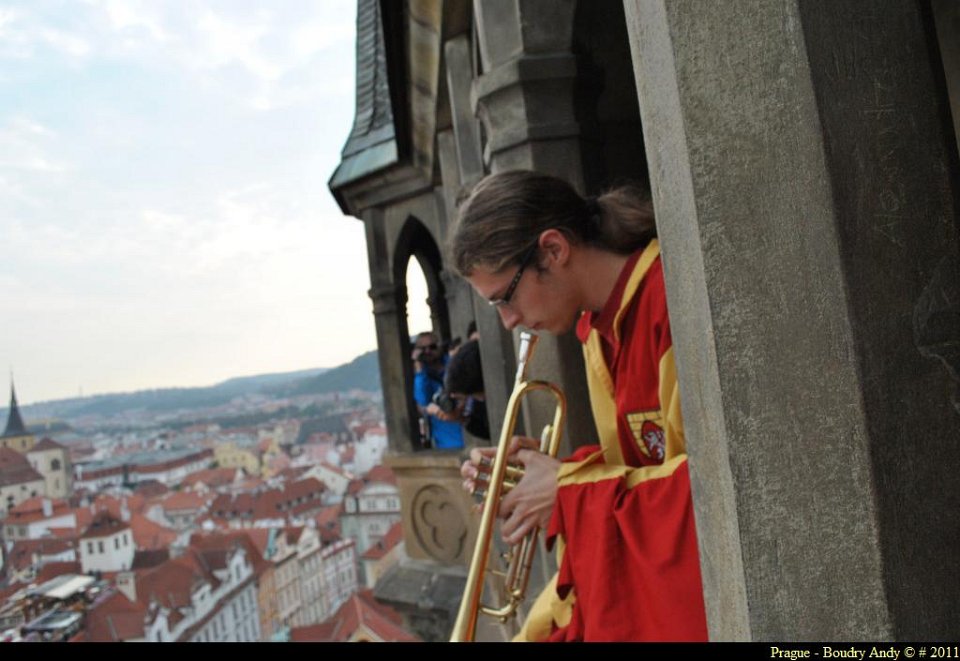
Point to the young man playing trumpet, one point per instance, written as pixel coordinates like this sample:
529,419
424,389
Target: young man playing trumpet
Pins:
550,260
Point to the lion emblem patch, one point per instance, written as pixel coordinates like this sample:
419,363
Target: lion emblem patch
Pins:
648,433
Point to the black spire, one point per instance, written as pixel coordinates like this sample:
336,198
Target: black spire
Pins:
15,426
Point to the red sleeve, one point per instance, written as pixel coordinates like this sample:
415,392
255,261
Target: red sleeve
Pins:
633,546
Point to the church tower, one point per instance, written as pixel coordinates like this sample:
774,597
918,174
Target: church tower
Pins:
16,436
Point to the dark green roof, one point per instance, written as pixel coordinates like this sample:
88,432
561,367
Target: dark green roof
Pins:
372,144
15,426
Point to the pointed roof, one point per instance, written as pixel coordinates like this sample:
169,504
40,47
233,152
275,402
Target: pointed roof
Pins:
372,144
46,443
15,426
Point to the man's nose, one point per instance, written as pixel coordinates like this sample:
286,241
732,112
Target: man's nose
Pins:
508,316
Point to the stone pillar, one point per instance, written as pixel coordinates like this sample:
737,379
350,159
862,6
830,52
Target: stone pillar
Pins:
466,131
947,17
437,512
525,100
805,186
459,294
393,350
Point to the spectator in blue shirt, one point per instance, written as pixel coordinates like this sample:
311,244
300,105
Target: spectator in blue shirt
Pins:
445,430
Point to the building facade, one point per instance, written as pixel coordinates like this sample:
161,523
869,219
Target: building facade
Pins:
52,460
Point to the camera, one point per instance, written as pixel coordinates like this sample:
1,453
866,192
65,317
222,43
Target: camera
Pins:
442,399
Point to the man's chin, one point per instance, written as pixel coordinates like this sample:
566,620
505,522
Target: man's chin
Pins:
556,328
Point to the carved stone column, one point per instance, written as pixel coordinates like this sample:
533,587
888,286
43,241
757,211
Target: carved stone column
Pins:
805,181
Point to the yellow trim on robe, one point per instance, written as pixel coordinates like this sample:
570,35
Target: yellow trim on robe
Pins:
599,381
548,607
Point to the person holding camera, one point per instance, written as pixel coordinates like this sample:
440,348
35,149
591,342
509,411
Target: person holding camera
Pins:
464,383
442,413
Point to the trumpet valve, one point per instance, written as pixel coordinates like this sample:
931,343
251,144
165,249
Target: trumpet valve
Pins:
480,490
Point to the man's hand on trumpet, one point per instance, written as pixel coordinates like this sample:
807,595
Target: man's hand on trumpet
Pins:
530,502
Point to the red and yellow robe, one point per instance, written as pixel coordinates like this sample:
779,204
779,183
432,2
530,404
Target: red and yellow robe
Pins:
629,567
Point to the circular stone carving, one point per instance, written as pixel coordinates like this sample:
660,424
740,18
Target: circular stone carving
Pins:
437,523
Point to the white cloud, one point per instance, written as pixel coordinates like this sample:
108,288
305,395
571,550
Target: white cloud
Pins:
224,42
24,144
312,38
27,125
129,16
7,17
65,42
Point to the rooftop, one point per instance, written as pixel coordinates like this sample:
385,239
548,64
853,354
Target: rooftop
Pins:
359,618
15,469
47,443
104,525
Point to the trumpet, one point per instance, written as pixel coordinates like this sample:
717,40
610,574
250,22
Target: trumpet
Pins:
502,478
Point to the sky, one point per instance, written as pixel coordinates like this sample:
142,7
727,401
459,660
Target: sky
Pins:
164,212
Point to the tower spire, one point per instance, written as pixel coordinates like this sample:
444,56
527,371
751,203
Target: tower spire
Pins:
15,426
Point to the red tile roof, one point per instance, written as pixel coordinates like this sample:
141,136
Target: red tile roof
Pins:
10,590
367,595
54,569
172,583
355,613
104,525
211,477
31,510
114,619
260,537
114,504
148,559
279,463
22,552
180,501
299,497
381,474
47,443
293,473
150,535
393,537
329,536
227,541
250,484
15,469
63,533
329,518
84,517
293,534
376,475
150,488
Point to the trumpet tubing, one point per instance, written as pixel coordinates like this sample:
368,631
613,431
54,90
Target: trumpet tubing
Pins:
502,478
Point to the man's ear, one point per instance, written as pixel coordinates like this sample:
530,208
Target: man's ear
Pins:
554,247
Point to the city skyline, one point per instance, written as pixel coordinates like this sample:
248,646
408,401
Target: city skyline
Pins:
163,201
